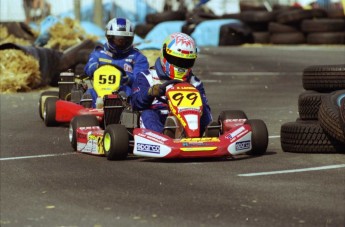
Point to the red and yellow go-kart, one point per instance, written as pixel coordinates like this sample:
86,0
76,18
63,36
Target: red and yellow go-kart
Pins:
72,101
232,134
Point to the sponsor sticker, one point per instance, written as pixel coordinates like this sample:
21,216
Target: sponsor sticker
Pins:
243,145
235,133
198,140
150,148
127,68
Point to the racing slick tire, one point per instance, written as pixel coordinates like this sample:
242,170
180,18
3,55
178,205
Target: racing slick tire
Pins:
259,136
212,130
49,111
115,142
44,95
232,114
77,122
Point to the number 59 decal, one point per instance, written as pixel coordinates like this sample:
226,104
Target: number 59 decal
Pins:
106,79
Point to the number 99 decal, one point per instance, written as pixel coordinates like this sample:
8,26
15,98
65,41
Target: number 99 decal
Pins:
185,98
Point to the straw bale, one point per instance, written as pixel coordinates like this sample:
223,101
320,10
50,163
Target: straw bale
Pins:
18,71
5,37
151,55
66,34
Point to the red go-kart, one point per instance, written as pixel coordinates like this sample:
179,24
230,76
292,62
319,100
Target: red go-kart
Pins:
232,134
72,101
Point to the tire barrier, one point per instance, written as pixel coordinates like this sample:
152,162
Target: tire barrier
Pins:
282,25
320,127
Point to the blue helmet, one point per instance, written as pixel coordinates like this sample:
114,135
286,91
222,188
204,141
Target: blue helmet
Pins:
120,35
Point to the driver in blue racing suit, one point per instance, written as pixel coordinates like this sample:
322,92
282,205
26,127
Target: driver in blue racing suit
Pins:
177,58
118,50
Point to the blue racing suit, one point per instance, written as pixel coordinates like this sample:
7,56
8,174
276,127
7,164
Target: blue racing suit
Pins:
132,62
154,112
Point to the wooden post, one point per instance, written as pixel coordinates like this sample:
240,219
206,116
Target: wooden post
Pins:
77,9
98,13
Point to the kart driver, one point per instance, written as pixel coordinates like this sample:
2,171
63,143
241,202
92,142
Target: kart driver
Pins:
177,58
118,50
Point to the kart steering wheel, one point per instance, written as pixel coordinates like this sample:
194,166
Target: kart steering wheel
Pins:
164,86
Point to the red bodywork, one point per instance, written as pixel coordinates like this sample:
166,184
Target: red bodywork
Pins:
66,110
185,103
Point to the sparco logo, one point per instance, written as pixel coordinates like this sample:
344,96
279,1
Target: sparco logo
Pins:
243,145
148,148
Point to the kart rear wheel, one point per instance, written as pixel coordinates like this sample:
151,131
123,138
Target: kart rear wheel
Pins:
212,130
232,114
44,95
77,122
259,136
49,111
115,142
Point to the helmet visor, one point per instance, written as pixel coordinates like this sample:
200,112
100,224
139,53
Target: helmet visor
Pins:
179,62
120,42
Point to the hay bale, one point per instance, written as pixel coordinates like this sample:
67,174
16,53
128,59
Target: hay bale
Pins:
151,55
19,72
5,37
66,34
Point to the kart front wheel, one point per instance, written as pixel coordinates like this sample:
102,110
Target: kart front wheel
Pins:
115,142
77,122
259,136
49,111
44,95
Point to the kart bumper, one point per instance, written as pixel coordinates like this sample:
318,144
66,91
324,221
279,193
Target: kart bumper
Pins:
149,143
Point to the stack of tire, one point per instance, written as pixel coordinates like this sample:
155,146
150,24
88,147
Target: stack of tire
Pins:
285,25
290,25
316,26
320,127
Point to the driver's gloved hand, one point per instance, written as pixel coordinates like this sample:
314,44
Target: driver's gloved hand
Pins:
123,95
156,91
125,80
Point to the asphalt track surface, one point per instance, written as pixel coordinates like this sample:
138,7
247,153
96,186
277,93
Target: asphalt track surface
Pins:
44,183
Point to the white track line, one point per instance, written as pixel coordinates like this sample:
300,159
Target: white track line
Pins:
293,170
35,156
54,155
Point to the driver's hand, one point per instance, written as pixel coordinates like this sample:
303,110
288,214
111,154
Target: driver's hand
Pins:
125,80
156,90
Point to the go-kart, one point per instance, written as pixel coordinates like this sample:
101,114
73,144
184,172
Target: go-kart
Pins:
182,136
60,107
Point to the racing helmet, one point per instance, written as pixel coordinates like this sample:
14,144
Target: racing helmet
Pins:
120,35
178,56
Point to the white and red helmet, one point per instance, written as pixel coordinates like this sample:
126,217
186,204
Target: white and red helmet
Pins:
119,33
178,55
